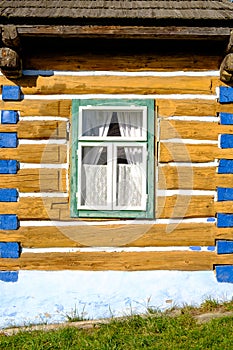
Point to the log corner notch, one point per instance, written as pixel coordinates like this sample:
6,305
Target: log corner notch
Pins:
226,68
10,59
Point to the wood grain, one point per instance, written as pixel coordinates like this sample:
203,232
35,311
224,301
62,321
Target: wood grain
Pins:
35,180
43,129
197,178
123,261
197,153
119,61
190,107
30,108
192,130
34,208
116,85
36,153
149,235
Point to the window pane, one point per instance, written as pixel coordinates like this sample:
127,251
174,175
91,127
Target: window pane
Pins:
112,123
94,177
130,178
95,123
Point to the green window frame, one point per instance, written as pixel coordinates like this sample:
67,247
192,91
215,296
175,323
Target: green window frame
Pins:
76,143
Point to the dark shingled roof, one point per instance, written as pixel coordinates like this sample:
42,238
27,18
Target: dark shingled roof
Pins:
63,10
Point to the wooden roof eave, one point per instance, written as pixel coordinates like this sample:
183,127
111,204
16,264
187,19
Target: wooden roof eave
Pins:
129,32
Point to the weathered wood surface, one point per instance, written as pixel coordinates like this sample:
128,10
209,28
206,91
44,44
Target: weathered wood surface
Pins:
121,62
193,130
37,129
113,31
148,235
34,208
176,206
122,261
197,178
36,180
197,153
10,63
115,85
30,108
181,206
36,153
190,107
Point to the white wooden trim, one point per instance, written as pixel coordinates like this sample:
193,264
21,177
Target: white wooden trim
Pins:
206,73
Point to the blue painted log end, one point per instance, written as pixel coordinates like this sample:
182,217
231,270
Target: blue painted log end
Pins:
225,166
224,194
225,94
9,195
224,220
11,93
9,276
224,247
9,166
10,250
9,222
226,118
8,140
224,273
9,117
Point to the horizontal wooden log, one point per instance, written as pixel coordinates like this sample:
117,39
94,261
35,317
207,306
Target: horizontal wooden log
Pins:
149,235
192,130
37,129
36,153
34,208
197,178
181,206
120,62
124,261
35,180
144,32
115,85
30,108
197,153
190,107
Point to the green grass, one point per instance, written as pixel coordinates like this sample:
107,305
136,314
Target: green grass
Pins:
153,331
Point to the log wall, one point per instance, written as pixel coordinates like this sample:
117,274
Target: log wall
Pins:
188,130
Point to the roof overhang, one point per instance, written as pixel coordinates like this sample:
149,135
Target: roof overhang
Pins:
128,32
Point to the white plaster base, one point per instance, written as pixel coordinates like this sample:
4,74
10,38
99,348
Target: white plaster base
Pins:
40,296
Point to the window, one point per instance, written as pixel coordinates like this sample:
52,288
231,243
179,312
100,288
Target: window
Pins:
112,158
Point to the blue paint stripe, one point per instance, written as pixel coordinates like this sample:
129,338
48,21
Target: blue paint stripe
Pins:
11,93
226,141
9,222
9,117
224,273
8,195
225,166
226,118
224,247
9,276
224,220
226,94
195,248
10,250
8,140
9,166
224,194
